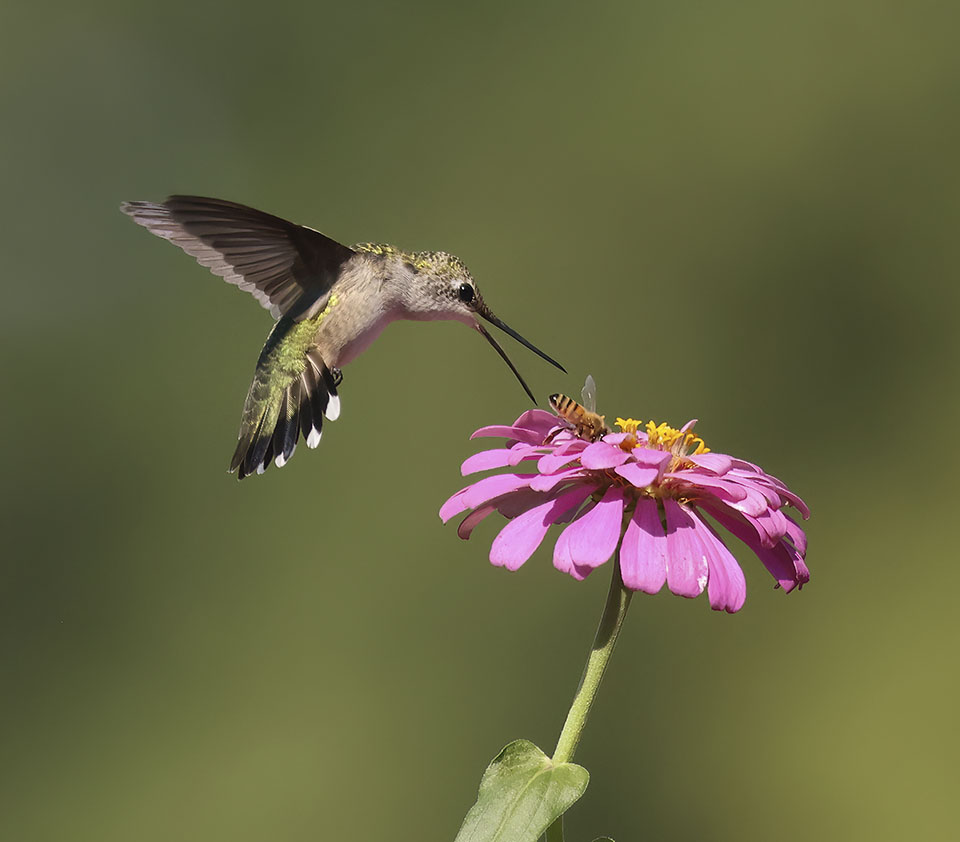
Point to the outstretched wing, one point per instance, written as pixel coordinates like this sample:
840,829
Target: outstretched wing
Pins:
286,267
589,393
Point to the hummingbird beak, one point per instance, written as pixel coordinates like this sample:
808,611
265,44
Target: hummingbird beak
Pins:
486,314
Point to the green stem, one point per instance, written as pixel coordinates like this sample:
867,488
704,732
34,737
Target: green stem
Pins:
618,600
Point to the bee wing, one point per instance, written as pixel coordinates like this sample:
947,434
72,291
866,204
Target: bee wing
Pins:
589,394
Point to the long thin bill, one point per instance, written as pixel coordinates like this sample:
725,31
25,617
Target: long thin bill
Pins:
485,313
486,335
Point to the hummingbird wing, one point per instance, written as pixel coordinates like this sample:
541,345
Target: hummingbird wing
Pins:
286,267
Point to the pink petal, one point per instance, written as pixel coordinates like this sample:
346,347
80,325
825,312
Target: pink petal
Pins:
512,433
793,499
562,559
593,537
770,527
726,587
520,452
687,570
729,492
471,520
487,488
650,458
638,475
600,455
551,462
783,561
551,481
767,489
754,504
759,475
761,536
562,455
454,505
718,463
797,535
538,420
519,539
773,524
643,553
517,502
803,574
486,460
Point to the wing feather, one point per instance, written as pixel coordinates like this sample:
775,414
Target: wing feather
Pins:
286,267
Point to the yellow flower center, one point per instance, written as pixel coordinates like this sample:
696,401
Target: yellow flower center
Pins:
677,443
664,437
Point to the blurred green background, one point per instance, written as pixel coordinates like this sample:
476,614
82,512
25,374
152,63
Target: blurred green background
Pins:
745,213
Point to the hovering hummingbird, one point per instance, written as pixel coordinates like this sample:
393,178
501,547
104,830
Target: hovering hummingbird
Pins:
330,302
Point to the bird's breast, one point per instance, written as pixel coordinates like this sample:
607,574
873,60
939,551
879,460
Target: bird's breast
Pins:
348,331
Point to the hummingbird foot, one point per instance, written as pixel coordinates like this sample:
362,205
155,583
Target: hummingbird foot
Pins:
337,377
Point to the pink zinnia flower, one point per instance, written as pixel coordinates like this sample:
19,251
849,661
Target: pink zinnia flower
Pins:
645,490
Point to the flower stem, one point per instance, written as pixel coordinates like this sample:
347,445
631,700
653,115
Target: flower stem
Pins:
618,600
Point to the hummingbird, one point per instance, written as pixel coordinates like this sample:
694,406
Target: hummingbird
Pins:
330,303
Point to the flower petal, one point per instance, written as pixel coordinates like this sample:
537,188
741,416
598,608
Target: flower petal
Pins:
718,463
486,460
550,481
754,503
773,524
519,539
487,488
797,535
793,499
508,432
757,474
454,505
638,475
600,455
521,451
783,561
537,420
728,492
471,520
593,537
687,570
650,457
562,455
726,587
517,502
562,558
643,552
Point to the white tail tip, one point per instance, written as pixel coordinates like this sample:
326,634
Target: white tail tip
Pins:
333,408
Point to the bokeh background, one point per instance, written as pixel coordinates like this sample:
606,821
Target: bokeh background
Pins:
745,212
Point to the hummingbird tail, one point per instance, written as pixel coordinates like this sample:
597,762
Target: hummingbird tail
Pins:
274,418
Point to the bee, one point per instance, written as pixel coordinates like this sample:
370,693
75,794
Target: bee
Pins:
583,418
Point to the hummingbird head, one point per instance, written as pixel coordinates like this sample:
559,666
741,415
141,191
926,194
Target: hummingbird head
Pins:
447,290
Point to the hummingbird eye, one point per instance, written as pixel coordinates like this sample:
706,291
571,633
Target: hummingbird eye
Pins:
465,293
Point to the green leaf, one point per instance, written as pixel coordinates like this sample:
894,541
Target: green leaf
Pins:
521,794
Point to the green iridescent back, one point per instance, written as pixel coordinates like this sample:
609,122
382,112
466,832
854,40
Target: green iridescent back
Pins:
437,263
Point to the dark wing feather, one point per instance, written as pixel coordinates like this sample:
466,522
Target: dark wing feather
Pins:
286,267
